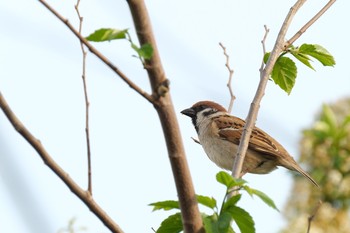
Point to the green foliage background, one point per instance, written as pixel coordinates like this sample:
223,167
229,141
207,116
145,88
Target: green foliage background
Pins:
325,148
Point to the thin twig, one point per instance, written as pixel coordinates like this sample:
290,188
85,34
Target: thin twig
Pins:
308,24
229,83
313,215
264,76
267,30
104,59
46,157
87,103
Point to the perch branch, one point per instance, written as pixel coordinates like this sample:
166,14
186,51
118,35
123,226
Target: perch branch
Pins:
264,76
87,103
229,82
83,195
104,59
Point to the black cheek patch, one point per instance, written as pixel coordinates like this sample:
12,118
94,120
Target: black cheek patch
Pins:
207,113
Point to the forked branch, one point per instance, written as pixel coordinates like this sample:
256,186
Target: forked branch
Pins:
308,24
83,195
104,59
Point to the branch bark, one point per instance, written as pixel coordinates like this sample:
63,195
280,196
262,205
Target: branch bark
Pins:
191,217
264,77
83,195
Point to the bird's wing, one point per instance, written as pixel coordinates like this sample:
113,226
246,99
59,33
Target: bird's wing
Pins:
231,129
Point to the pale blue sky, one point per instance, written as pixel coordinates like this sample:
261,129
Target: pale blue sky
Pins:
40,76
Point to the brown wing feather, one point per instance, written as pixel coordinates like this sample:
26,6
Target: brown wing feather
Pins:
231,129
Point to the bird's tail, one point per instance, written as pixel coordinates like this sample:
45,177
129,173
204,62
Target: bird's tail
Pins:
295,167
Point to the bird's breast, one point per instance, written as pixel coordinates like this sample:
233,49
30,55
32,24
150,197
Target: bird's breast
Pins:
220,151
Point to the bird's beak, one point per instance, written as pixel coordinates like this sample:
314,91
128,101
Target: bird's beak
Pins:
189,112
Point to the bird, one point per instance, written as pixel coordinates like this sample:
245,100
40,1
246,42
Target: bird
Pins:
219,134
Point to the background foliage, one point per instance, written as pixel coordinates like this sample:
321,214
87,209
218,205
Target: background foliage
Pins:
325,148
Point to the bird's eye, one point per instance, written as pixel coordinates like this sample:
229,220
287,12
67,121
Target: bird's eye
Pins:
200,108
209,111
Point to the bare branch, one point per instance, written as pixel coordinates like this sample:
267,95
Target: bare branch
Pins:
313,215
230,71
104,59
264,76
267,30
87,103
191,218
308,24
83,195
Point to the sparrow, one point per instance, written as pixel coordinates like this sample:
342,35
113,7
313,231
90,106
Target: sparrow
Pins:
219,134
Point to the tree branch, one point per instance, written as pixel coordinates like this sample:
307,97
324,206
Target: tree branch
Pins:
267,30
93,50
230,71
313,215
264,76
87,103
191,217
83,195
308,24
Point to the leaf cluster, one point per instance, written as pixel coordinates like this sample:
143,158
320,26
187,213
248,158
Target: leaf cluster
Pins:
284,72
220,220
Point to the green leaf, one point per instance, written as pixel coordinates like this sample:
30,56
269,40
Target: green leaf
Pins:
224,178
268,201
243,219
172,224
329,117
266,57
248,189
227,180
284,73
206,201
231,202
107,34
318,52
210,223
302,58
345,122
343,130
146,50
224,222
165,205
215,224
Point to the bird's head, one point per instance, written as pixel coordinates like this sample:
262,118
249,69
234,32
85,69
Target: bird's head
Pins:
203,110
